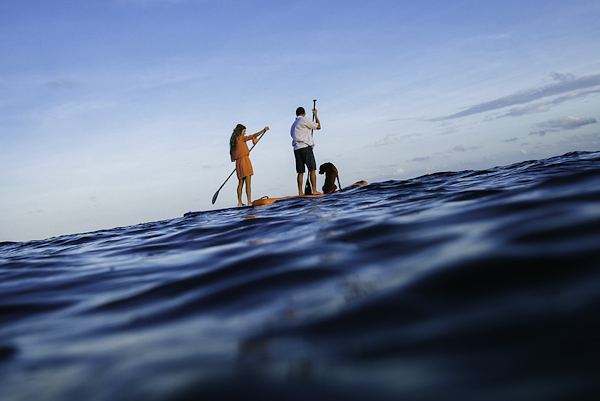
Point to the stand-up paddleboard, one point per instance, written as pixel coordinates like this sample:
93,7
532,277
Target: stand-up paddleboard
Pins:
216,210
268,201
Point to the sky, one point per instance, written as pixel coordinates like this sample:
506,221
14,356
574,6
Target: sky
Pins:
119,112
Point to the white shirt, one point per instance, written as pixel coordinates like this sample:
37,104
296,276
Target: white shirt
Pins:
301,135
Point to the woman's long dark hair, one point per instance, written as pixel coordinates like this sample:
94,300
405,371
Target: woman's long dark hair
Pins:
236,133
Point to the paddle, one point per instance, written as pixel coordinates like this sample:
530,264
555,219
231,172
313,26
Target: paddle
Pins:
307,187
314,107
214,198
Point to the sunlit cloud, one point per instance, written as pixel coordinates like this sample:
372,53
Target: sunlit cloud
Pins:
448,131
462,148
395,138
565,83
77,109
500,36
561,124
64,83
545,106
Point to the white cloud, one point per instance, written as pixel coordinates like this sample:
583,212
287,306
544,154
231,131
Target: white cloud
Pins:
561,124
562,77
545,106
63,83
566,83
462,148
394,138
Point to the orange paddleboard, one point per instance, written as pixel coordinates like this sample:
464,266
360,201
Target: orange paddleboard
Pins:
268,201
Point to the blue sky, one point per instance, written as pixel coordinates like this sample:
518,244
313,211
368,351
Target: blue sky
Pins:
119,112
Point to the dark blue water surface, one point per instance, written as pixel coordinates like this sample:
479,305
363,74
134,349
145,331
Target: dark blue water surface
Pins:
471,285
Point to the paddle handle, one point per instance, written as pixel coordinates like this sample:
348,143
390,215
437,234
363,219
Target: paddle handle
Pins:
314,107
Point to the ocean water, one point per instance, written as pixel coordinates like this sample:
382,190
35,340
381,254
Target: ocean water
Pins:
471,285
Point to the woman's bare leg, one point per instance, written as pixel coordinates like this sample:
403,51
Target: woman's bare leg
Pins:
248,190
239,191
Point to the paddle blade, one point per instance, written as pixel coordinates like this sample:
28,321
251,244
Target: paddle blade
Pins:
307,188
215,196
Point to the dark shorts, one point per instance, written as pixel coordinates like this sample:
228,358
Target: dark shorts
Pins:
305,156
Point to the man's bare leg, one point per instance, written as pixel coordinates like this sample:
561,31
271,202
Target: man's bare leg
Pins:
313,182
300,176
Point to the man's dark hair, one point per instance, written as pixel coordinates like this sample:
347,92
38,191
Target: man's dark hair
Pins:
300,111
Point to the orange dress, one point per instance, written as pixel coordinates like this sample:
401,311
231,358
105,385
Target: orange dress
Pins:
240,155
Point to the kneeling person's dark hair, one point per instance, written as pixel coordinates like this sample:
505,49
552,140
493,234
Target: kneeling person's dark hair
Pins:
300,111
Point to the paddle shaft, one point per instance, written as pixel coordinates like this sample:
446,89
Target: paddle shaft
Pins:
214,199
314,107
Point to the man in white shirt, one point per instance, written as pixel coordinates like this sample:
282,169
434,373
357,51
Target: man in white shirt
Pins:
303,144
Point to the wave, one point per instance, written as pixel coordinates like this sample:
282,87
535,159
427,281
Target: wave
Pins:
470,285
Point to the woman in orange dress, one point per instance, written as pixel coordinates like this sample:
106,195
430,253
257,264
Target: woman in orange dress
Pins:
240,155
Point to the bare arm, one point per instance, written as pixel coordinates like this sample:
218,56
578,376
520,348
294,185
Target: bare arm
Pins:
317,119
259,133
